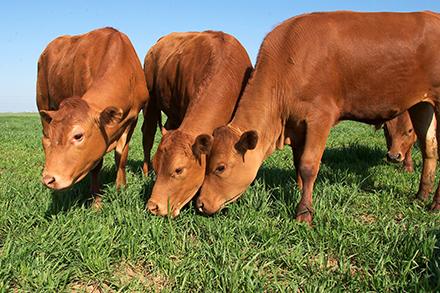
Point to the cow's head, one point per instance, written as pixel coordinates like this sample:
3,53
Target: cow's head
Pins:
74,141
400,137
232,166
179,164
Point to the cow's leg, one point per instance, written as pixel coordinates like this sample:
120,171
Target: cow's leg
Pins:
422,117
95,185
435,206
408,164
151,117
315,138
121,155
297,150
297,153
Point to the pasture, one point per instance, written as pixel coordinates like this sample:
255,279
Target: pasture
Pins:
368,235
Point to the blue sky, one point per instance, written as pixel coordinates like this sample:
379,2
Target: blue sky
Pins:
26,27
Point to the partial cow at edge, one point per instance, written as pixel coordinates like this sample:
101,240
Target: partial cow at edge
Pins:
195,78
400,138
90,89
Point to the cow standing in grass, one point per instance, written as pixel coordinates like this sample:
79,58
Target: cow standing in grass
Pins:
315,70
196,79
90,90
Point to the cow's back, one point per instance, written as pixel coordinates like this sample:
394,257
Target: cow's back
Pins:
98,61
181,66
350,58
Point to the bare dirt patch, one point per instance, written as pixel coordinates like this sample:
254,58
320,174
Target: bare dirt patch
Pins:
142,274
367,218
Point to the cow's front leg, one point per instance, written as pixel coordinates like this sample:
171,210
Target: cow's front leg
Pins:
315,139
121,156
151,118
408,164
95,186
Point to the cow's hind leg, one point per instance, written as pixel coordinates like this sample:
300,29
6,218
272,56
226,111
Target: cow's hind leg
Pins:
436,200
121,155
297,151
316,133
422,117
151,117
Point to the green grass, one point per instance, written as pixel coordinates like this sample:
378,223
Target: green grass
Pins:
368,234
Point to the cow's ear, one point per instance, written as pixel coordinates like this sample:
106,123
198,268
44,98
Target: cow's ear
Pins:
47,115
110,116
248,141
202,145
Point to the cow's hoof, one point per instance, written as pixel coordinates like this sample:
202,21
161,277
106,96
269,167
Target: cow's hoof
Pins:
305,218
304,214
409,169
435,207
96,204
145,169
421,197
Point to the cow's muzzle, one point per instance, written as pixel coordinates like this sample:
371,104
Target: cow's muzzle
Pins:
395,158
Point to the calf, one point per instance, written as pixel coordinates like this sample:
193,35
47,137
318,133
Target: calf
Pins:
90,89
196,79
315,70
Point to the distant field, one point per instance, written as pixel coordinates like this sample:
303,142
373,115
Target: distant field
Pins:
368,235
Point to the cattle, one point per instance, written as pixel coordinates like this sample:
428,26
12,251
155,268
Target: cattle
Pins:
317,69
400,137
90,89
195,78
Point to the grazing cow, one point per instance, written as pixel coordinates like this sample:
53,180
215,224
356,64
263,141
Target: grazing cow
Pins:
90,89
400,137
195,78
315,70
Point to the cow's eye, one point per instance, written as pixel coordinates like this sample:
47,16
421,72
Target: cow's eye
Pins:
78,137
220,169
410,131
178,171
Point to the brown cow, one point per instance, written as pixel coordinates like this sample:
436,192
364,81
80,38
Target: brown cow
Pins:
400,137
196,79
315,70
90,89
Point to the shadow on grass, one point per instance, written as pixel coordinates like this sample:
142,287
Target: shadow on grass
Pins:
356,160
134,166
79,195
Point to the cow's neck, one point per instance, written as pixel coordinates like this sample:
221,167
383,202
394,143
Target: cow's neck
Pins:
259,109
207,112
203,123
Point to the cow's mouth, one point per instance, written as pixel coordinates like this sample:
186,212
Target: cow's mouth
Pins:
181,204
232,199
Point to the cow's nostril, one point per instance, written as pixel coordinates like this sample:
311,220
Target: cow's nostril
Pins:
152,207
199,206
48,180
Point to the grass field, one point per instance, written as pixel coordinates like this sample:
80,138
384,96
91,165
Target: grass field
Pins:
368,235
